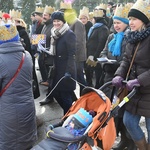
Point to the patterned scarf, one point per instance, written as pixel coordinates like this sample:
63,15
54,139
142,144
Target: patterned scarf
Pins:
55,34
137,36
114,45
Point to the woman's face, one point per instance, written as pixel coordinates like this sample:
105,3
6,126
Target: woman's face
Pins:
84,19
119,26
57,23
135,24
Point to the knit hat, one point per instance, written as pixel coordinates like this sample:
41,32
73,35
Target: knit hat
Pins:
58,15
83,117
8,31
141,11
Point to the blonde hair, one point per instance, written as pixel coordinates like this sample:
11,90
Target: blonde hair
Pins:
22,23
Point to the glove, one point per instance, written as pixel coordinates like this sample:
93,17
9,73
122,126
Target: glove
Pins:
117,81
67,75
90,61
132,83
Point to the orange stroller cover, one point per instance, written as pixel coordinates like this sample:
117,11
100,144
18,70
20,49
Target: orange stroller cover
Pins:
97,101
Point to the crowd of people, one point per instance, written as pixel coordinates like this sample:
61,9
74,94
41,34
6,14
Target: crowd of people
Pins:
68,54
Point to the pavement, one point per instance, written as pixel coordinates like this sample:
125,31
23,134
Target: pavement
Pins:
52,113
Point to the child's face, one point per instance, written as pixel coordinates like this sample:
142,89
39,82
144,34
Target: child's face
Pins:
72,124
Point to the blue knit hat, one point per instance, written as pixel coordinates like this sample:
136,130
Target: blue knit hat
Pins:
83,117
124,20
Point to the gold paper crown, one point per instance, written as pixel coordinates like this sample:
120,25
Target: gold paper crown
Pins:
65,5
143,7
7,33
98,13
1,13
15,14
103,6
90,15
122,11
49,9
39,10
84,11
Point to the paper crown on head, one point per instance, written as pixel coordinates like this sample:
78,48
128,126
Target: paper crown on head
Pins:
84,12
49,9
1,14
90,15
103,6
98,13
15,14
141,10
65,5
122,11
39,10
83,117
8,33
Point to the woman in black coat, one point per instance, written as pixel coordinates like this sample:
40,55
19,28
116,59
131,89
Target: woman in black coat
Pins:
138,46
97,37
21,27
63,47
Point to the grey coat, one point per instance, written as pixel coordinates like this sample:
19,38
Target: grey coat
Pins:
17,109
79,29
140,103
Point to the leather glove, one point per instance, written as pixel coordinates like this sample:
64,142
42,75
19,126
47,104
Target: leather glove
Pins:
117,81
67,75
132,83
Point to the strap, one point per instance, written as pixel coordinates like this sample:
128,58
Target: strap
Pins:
15,75
132,61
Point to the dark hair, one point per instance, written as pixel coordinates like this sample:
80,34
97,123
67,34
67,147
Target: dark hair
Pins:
100,20
110,3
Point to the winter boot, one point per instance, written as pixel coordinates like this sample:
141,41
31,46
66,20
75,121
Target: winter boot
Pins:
141,144
131,145
148,147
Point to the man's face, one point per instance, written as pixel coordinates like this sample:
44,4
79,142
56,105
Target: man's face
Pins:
46,17
37,17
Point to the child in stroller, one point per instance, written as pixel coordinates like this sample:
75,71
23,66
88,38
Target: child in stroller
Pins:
87,115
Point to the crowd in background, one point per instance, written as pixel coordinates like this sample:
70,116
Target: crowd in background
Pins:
69,52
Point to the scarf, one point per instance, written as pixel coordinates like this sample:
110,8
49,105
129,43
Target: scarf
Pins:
137,36
114,45
55,34
96,25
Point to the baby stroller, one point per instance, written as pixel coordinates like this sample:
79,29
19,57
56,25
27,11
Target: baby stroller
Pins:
99,133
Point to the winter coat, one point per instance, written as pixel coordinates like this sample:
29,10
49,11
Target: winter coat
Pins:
79,29
64,61
97,40
17,109
27,45
110,68
88,25
47,31
140,103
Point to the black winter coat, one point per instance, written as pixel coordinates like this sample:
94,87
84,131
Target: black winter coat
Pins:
140,103
97,40
64,61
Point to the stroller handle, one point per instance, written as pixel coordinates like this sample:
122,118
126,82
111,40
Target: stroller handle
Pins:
107,84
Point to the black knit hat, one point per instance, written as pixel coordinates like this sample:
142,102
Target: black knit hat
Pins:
58,15
138,14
